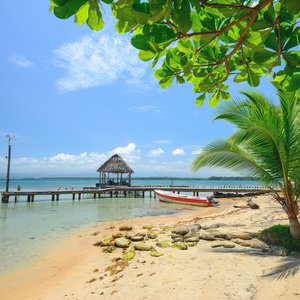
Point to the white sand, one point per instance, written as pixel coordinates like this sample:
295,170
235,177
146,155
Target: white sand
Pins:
76,268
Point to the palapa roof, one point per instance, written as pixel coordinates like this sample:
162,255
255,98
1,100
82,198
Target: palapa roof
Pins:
115,165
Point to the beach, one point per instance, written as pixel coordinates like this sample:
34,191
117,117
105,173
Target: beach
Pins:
76,269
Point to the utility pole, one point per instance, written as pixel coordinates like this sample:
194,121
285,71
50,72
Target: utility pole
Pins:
10,138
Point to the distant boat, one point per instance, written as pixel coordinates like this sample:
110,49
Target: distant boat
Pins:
182,199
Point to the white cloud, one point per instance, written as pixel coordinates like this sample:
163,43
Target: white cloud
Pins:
178,151
162,142
130,153
21,61
98,60
156,152
66,163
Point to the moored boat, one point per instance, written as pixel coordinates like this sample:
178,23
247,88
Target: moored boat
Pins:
183,199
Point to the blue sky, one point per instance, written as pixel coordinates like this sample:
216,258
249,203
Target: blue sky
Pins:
73,98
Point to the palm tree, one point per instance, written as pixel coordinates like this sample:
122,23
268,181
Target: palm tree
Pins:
266,145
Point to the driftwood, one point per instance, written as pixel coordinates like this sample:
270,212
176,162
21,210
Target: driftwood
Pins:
252,204
240,206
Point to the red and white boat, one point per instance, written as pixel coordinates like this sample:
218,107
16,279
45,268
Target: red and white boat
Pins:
182,199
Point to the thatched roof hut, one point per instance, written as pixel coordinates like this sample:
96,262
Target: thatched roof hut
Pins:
113,170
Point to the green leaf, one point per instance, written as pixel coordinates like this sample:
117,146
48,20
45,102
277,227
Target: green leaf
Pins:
82,15
166,82
278,79
253,78
253,38
196,24
215,99
124,26
271,42
225,95
260,55
292,59
200,100
208,53
180,79
60,2
155,61
182,16
141,18
146,55
160,9
294,83
95,21
158,34
260,24
162,73
152,42
187,68
69,8
270,15
139,41
293,6
116,6
141,12
294,40
185,45
125,14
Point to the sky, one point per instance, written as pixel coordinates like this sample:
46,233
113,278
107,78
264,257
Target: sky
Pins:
73,97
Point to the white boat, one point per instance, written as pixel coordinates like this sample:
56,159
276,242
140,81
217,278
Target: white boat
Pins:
183,199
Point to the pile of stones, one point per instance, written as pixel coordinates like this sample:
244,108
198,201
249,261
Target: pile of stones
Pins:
183,237
220,235
127,238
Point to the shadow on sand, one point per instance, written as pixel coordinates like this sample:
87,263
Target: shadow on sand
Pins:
289,265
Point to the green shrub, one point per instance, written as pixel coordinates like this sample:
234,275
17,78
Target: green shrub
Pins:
279,235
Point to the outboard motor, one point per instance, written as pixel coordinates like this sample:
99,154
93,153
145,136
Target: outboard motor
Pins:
211,198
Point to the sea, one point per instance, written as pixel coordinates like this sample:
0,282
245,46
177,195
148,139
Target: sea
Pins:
28,230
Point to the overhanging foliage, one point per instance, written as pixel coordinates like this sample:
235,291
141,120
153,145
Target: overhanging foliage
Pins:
204,42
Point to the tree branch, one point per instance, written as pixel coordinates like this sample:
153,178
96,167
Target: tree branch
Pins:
279,31
217,5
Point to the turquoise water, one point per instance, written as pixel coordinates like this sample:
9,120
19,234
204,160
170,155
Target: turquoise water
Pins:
28,229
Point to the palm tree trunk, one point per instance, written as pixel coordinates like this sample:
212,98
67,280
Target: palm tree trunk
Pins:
292,212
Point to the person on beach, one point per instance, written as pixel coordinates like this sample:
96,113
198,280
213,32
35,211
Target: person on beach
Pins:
18,188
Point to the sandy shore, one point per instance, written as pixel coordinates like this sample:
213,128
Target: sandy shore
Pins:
76,269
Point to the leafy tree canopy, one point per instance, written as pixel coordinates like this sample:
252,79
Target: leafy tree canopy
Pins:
205,42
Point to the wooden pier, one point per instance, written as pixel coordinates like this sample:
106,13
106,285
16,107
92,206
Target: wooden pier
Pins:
135,191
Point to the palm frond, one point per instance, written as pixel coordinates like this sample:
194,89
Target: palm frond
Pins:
267,143
228,155
290,136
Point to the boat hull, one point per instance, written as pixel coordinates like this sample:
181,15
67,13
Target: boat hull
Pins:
186,200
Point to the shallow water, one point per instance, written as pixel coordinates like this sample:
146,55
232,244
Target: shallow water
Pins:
28,229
